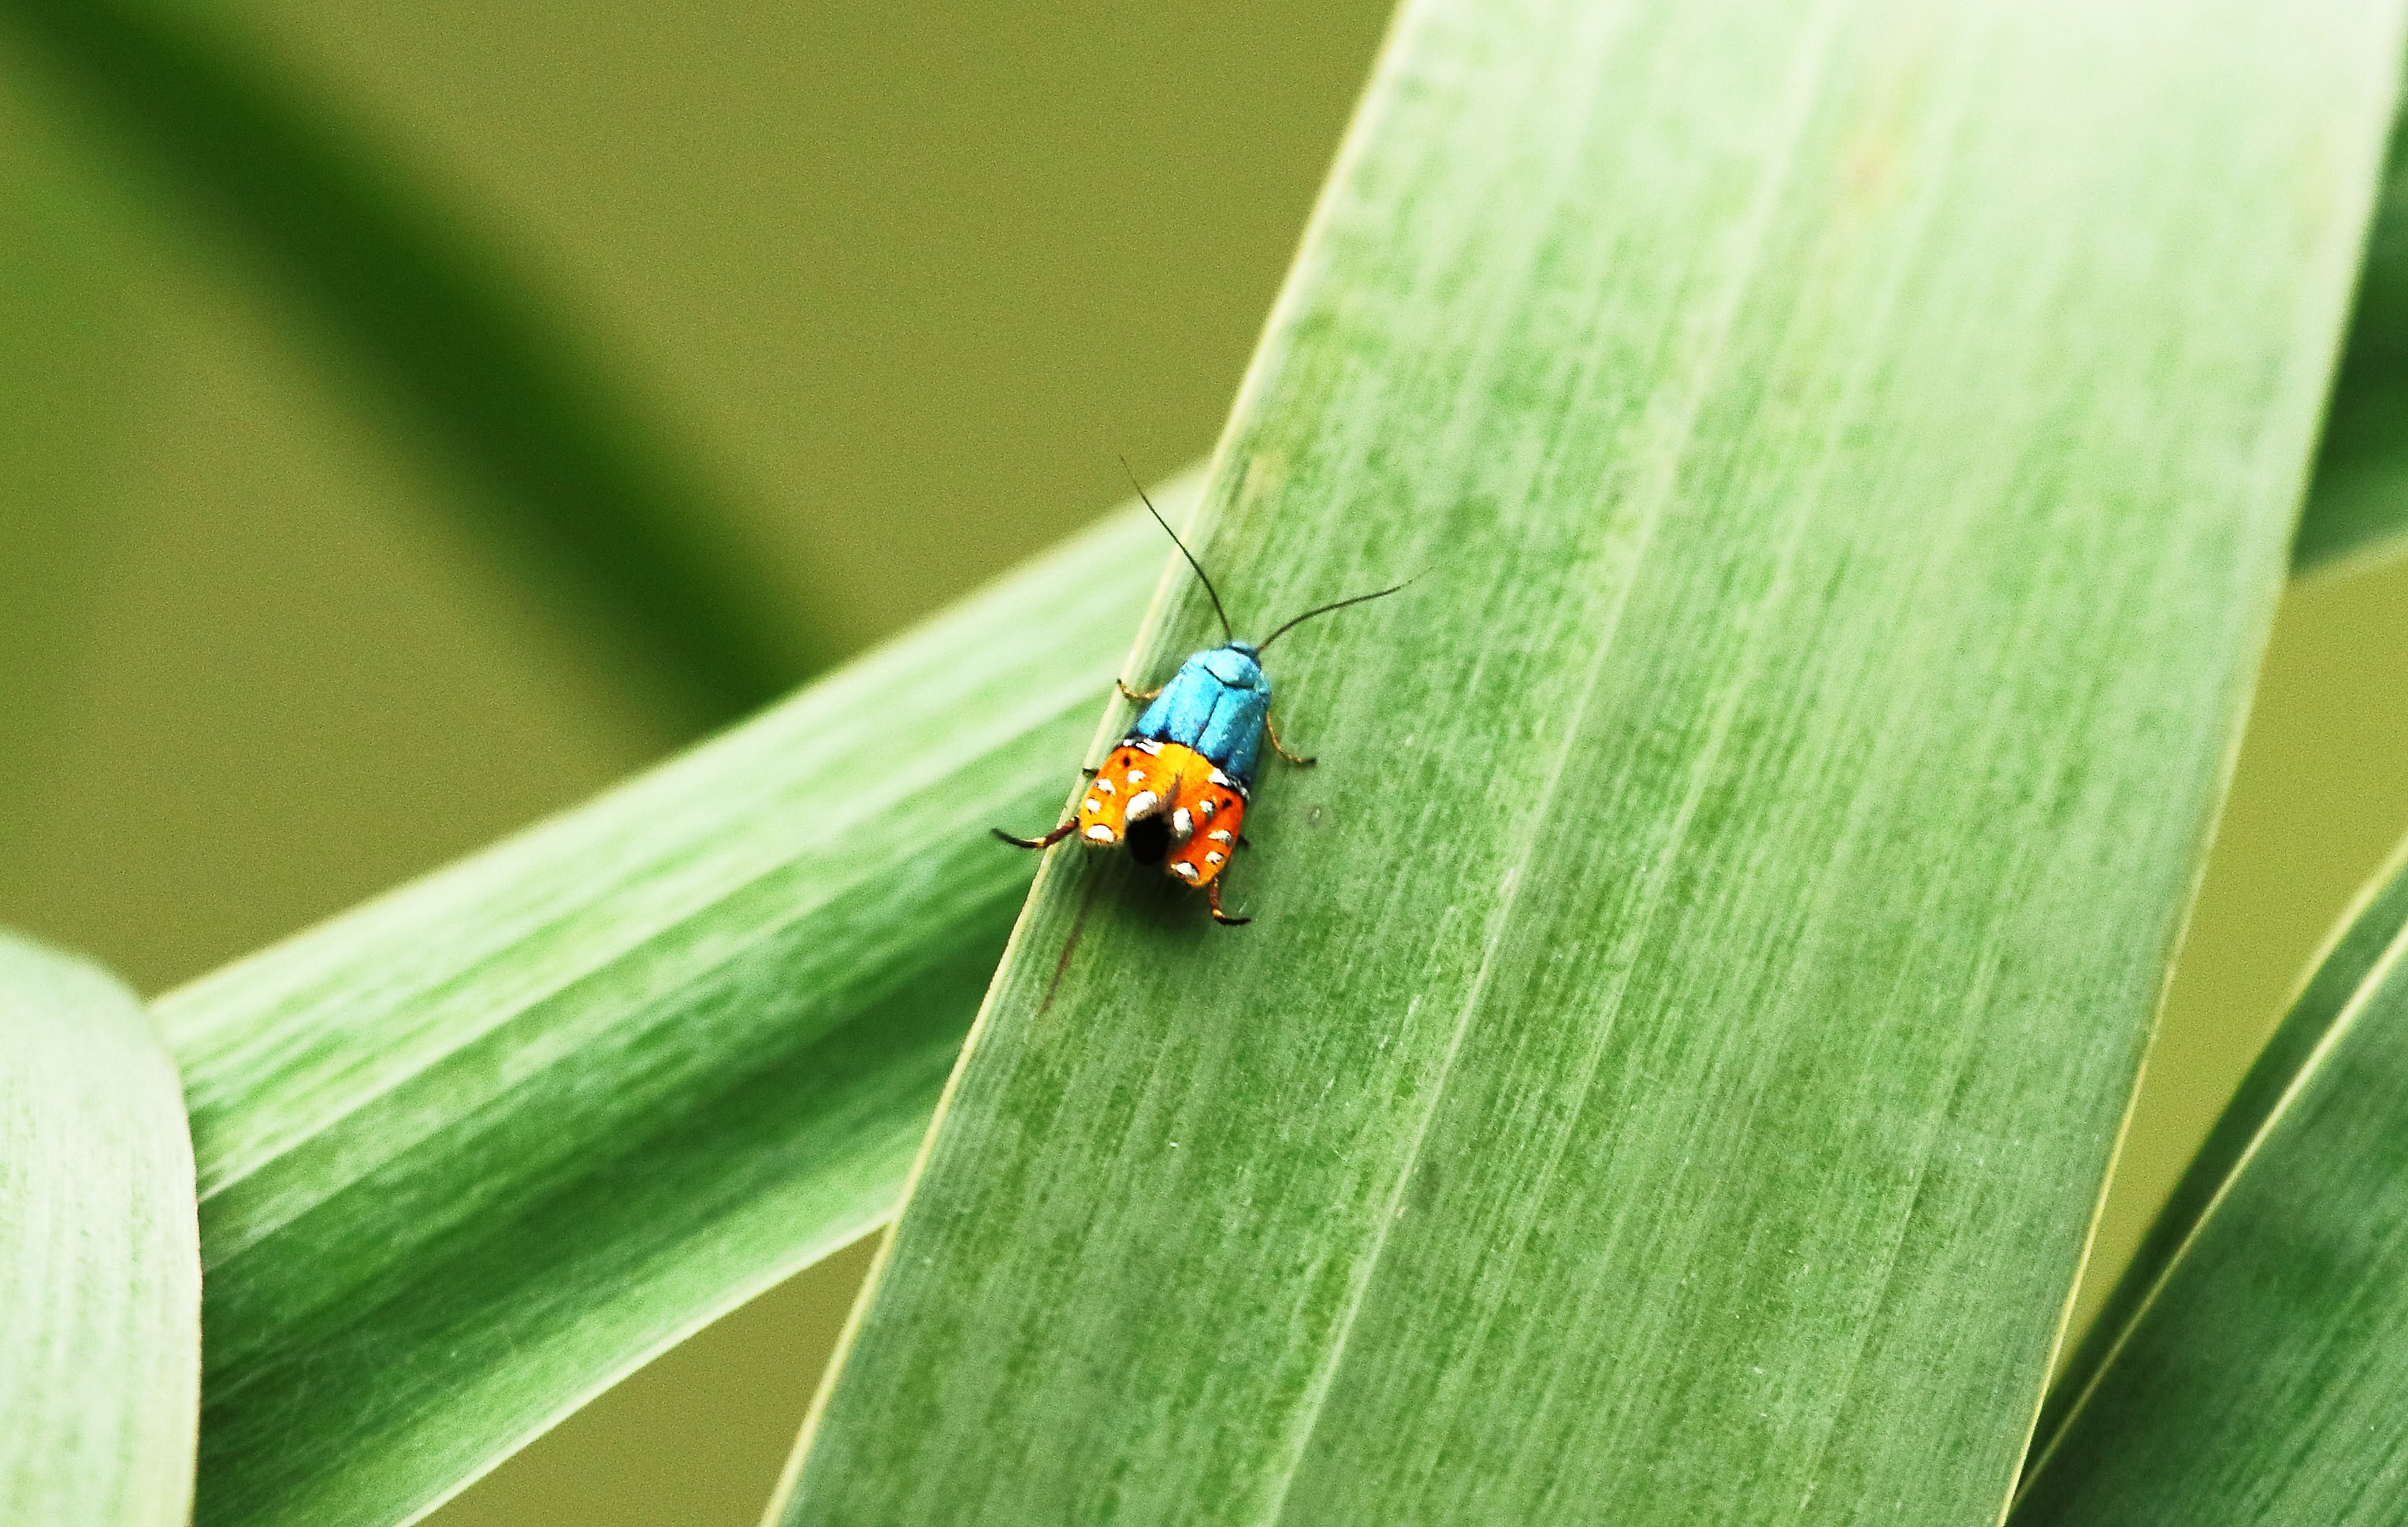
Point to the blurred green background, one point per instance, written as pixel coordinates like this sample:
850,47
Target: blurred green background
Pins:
895,287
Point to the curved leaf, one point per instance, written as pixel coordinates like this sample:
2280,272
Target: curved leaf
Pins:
471,1152
2256,1363
2357,501
1672,1065
99,1255
2336,981
567,473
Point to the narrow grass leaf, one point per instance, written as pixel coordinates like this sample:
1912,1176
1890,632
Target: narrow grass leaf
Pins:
565,470
2336,981
2357,501
473,1151
100,1278
1687,1014
2257,1367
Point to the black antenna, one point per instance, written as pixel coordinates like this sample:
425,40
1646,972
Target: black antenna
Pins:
1158,519
1358,599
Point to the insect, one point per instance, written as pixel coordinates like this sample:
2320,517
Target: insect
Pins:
1174,790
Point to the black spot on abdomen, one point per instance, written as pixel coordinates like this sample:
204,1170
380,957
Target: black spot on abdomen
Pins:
1148,839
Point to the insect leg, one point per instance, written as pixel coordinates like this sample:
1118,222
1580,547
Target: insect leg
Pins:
1212,894
1280,748
1056,835
1137,696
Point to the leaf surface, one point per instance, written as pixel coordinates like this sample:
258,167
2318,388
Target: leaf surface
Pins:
1688,1013
2357,500
2337,981
99,1255
472,1151
2252,1361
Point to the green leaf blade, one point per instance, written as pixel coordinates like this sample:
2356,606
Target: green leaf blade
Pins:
2251,1369
99,1258
474,1150
2357,501
1726,921
2336,983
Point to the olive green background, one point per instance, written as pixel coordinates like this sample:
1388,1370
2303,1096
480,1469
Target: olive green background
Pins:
902,284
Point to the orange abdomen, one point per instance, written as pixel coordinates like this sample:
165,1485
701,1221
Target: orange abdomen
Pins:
1169,804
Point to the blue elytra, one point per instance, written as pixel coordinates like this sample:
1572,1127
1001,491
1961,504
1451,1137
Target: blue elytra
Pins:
1217,704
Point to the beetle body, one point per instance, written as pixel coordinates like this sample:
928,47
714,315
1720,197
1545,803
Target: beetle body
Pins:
1174,790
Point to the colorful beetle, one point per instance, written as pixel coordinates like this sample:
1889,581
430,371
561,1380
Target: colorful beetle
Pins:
1175,790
